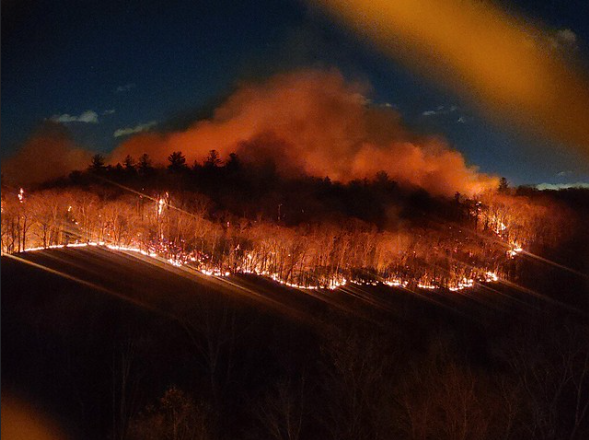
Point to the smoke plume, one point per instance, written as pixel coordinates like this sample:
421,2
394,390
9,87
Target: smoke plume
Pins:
48,154
314,122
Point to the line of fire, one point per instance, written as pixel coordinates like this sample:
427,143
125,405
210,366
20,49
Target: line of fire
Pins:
304,232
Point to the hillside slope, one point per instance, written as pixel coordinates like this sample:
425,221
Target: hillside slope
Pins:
93,337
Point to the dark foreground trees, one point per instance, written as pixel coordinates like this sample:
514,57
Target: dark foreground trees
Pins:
209,363
367,385
175,417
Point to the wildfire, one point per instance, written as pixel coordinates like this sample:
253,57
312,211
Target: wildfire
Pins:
396,282
500,227
161,203
464,283
491,277
272,256
332,283
426,285
515,249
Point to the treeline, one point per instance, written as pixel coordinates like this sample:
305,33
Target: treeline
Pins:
305,231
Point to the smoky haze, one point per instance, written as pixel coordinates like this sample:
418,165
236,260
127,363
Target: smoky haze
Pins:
49,153
315,123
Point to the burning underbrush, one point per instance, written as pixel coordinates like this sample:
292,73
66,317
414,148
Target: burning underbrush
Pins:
479,242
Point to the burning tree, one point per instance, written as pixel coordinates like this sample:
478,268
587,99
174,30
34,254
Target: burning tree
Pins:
474,239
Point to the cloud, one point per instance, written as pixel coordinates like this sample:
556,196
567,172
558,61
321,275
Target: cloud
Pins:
48,154
441,110
566,35
564,173
562,39
109,112
89,117
559,186
493,59
132,130
315,123
125,88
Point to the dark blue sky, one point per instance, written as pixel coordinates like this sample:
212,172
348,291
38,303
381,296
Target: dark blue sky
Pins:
171,61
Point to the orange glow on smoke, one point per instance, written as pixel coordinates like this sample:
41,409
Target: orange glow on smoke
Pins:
316,123
48,154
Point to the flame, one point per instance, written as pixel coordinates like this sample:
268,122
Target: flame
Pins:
515,249
266,259
331,283
491,277
160,206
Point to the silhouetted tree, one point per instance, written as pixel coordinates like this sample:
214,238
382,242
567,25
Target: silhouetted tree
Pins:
97,165
212,160
177,162
129,164
233,165
382,178
503,185
145,165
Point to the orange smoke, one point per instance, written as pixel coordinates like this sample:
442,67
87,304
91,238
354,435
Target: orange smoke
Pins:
48,154
315,123
509,69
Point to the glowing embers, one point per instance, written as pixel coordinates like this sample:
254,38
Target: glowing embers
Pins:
214,272
464,283
396,282
427,285
77,245
514,250
312,278
497,225
362,282
500,227
40,248
309,278
334,283
177,261
328,284
162,202
491,277
160,206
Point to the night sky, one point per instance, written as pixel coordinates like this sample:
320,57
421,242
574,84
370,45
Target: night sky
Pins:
115,65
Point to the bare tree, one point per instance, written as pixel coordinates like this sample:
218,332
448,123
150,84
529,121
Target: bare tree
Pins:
175,417
358,386
282,411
